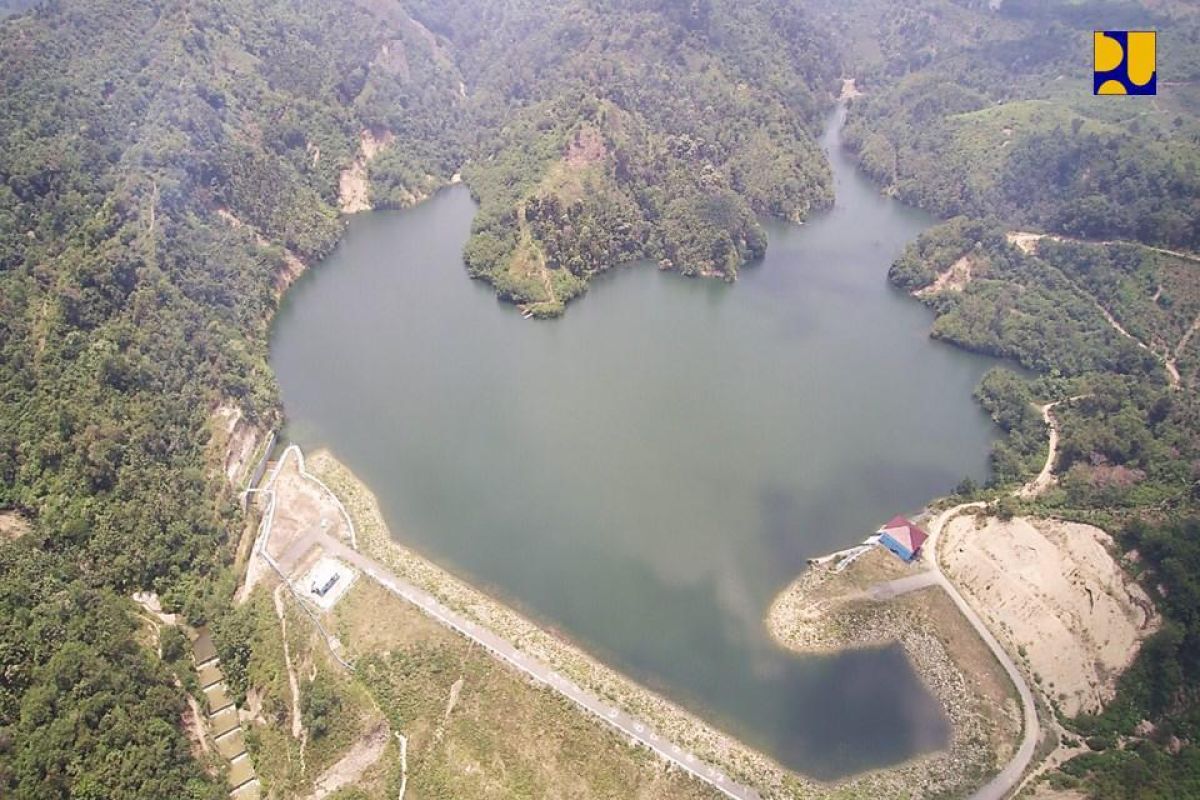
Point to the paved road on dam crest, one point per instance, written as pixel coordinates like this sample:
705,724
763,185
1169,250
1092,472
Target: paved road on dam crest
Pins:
636,729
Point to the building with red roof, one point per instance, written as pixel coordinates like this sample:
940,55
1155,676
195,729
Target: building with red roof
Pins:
903,538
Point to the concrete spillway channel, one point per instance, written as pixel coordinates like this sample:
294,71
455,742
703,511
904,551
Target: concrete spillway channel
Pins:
222,720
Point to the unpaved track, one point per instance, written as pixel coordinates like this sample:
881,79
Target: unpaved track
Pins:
1010,777
902,586
293,681
1172,361
1027,242
1046,477
349,769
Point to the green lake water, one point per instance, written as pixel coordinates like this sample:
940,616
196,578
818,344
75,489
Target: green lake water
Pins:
646,473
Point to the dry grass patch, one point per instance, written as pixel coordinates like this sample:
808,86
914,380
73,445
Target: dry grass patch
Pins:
13,525
877,565
286,766
370,619
505,736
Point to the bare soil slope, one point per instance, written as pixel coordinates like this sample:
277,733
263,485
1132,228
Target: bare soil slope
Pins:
1054,590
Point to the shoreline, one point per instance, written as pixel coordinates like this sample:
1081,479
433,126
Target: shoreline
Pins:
910,778
807,617
738,760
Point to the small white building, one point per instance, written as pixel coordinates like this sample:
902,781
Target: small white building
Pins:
324,576
328,581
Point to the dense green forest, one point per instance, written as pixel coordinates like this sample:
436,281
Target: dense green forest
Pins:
161,161
129,309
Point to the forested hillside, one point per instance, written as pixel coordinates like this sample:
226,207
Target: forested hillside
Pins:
633,129
988,114
166,167
1005,124
1104,327
129,308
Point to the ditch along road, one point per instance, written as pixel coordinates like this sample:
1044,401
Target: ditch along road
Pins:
499,647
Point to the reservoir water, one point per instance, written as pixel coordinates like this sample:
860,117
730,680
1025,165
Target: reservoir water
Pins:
646,473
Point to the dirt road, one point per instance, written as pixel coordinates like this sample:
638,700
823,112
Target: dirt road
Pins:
1046,477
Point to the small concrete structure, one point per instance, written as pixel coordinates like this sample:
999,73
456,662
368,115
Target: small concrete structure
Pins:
217,697
241,771
324,578
247,791
327,582
232,744
209,674
203,649
222,718
224,721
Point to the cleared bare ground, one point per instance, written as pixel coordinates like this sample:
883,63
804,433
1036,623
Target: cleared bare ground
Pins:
954,279
237,439
13,525
349,769
301,505
1055,592
354,189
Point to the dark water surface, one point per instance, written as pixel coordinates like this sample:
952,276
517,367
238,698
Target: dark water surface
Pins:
645,474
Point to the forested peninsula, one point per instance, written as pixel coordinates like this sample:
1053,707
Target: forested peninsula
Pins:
600,133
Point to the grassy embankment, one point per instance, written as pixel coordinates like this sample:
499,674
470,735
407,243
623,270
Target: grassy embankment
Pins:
474,727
